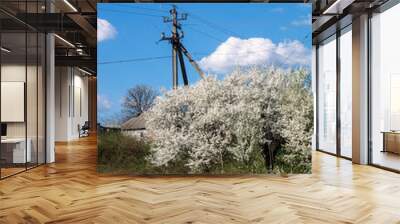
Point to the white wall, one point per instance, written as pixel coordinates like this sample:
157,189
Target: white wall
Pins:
80,115
62,81
71,94
135,133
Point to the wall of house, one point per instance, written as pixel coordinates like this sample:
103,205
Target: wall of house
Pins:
71,102
135,133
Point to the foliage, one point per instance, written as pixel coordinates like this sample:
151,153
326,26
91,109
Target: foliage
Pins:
216,123
118,152
297,126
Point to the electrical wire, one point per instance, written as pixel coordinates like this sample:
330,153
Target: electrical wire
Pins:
204,21
157,27
195,53
228,32
219,40
205,33
125,5
287,56
133,60
212,24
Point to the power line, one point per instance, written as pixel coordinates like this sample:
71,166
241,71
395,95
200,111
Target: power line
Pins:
195,53
230,44
212,24
124,5
178,49
204,21
280,63
157,27
133,60
287,56
206,34
229,32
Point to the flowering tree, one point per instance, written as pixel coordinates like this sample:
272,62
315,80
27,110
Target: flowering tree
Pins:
217,123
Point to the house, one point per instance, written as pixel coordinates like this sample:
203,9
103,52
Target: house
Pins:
136,126
109,128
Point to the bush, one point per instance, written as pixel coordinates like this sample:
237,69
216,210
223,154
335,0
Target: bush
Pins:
293,160
220,126
121,153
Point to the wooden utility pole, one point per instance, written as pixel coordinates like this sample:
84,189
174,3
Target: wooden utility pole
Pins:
178,50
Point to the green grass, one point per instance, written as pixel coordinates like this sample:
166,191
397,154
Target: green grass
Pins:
120,154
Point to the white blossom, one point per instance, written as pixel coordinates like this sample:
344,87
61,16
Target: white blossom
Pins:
212,119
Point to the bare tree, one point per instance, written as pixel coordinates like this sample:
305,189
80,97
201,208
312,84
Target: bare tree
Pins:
138,99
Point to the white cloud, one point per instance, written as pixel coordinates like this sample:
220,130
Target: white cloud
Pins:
103,103
236,52
303,21
105,30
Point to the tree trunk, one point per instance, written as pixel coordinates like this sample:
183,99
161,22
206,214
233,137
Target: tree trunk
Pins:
221,160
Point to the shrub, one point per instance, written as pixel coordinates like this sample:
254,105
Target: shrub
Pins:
217,125
121,153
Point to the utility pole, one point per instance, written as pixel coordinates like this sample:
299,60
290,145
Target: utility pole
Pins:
178,50
174,42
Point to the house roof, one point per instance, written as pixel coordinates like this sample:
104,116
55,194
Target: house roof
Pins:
111,126
135,123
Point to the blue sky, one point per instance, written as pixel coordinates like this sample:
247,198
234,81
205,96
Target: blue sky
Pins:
261,33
